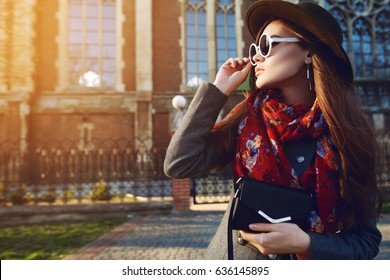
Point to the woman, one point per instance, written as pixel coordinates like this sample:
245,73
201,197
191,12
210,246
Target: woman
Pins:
300,127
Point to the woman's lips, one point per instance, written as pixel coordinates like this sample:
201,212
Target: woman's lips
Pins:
258,71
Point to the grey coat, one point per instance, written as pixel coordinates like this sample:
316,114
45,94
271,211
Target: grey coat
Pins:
192,151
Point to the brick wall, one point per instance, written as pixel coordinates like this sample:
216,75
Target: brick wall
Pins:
181,193
65,126
161,135
10,122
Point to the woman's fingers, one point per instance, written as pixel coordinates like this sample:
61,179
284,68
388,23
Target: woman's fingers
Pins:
278,238
237,62
232,74
232,62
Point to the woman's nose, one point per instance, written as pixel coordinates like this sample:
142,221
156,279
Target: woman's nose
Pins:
258,57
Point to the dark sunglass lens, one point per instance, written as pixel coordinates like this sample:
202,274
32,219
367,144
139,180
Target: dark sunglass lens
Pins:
264,45
252,52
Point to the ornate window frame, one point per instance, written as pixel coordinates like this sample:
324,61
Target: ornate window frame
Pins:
372,74
223,42
351,14
63,84
210,7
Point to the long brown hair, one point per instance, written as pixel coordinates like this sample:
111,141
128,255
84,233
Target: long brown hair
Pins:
351,132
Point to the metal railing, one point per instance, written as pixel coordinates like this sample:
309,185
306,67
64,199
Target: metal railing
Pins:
65,172
111,171
213,187
372,95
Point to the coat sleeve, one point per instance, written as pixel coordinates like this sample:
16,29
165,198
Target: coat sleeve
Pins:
361,243
192,147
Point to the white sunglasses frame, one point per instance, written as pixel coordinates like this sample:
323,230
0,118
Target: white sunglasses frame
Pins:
270,40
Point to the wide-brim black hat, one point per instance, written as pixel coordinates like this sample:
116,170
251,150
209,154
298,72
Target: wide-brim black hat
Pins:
310,16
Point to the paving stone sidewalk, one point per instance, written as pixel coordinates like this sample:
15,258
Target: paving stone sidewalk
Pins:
176,236
179,236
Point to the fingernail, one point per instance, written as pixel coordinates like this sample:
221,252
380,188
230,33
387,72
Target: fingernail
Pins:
252,226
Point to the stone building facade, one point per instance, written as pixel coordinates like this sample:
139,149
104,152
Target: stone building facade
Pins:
86,69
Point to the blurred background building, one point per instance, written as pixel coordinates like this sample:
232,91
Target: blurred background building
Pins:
86,69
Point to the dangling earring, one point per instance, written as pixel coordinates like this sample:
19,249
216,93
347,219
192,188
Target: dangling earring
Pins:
309,71
310,77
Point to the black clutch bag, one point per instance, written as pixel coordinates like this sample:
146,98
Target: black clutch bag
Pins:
261,202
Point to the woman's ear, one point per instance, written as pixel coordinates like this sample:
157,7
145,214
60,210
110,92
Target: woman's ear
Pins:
308,58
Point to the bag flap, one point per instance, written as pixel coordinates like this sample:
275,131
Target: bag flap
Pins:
276,202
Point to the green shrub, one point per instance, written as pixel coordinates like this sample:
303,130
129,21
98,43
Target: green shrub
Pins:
20,196
49,196
68,194
100,192
2,193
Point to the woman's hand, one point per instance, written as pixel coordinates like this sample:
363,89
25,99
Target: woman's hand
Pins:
283,238
232,74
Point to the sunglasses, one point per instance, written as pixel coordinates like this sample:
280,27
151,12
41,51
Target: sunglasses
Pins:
265,46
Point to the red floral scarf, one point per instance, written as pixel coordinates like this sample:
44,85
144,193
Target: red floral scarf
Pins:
270,123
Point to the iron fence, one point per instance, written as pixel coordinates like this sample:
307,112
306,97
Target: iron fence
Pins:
373,95
213,187
67,172
111,171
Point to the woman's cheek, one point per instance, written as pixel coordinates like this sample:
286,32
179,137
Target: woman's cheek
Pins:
278,73
280,68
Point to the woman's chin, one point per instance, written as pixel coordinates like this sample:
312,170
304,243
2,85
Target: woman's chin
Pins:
261,83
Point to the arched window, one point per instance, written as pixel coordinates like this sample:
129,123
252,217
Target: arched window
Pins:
197,57
92,43
209,38
341,17
382,45
365,26
359,6
362,48
367,42
225,31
